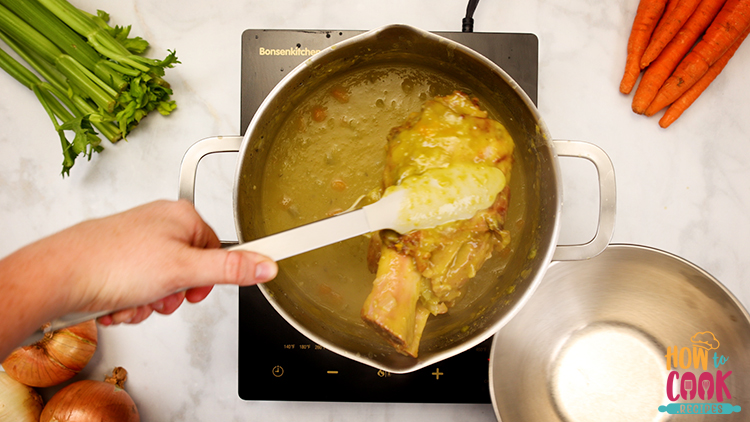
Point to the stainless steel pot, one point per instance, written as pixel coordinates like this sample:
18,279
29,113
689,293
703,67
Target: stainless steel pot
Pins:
460,329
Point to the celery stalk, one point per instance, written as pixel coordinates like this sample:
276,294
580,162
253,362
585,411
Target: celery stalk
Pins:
91,73
57,80
135,45
43,21
148,90
96,36
16,70
33,40
85,140
24,33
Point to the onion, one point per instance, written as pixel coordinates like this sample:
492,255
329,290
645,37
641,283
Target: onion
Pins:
18,402
88,400
54,359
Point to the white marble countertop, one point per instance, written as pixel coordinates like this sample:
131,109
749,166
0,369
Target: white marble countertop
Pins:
684,190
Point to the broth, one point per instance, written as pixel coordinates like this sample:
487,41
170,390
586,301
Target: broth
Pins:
331,151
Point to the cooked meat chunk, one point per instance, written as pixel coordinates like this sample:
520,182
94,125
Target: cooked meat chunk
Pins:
424,272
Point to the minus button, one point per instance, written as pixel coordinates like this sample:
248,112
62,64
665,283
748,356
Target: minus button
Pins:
332,372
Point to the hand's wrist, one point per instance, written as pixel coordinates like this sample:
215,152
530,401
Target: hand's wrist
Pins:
34,281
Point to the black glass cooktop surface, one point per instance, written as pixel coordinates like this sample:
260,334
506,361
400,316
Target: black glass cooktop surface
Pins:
276,362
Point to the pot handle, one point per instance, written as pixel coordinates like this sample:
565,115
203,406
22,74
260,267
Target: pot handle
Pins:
607,200
194,154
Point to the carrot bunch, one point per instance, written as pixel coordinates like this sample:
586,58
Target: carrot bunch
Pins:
680,46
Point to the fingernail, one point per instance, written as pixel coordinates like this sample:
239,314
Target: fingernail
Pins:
265,271
105,320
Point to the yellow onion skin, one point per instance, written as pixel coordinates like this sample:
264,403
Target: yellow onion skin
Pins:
18,402
54,359
92,401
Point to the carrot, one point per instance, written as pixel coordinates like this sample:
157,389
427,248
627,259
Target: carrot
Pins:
646,18
671,4
729,24
688,98
667,29
660,69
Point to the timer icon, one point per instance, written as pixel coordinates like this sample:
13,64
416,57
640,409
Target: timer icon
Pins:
277,371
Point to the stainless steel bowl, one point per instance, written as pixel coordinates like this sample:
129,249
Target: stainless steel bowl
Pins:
591,343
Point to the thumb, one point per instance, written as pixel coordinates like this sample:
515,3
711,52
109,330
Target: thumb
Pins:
220,266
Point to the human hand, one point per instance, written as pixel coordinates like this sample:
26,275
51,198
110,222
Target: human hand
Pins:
151,258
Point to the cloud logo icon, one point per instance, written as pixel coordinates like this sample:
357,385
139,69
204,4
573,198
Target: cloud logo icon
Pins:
706,340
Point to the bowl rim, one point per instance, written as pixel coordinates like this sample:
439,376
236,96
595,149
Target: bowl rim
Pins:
494,349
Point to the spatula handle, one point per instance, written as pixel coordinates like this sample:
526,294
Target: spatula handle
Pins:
309,236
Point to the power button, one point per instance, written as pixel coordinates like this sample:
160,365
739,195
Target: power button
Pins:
277,371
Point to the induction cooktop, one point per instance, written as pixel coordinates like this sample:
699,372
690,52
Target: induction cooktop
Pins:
276,362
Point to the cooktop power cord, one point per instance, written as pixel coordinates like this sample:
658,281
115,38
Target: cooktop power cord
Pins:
468,21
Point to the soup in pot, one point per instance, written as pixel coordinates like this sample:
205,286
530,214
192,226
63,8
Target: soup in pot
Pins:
330,154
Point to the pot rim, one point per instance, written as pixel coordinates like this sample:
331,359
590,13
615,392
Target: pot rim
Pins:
486,333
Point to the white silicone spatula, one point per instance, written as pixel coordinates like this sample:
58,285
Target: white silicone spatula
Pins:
435,197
